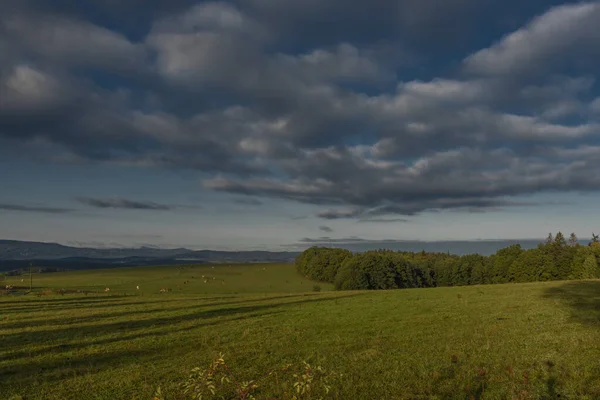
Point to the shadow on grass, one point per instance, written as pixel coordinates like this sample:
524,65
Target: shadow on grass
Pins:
27,366
73,306
109,301
28,338
99,301
143,310
17,357
49,370
32,299
582,297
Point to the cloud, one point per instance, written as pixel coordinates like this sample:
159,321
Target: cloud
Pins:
327,239
427,23
548,37
75,42
134,235
206,44
34,209
43,107
248,202
121,203
443,181
30,89
384,220
325,229
345,63
364,123
339,214
59,115
595,106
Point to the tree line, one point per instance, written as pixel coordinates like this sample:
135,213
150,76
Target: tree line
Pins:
557,258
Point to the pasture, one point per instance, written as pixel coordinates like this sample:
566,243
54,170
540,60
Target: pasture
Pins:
201,279
513,341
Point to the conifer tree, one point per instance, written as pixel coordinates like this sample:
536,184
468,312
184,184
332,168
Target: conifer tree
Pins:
559,239
573,239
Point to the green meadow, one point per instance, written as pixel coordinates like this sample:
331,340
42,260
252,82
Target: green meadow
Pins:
201,279
509,341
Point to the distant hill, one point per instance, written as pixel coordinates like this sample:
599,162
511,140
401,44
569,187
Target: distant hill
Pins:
18,250
16,254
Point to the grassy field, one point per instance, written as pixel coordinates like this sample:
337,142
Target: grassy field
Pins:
519,341
201,279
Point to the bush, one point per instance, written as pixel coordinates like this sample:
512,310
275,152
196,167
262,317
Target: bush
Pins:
378,270
321,263
350,276
316,288
295,382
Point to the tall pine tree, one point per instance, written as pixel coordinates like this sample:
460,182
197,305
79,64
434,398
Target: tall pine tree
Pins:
573,239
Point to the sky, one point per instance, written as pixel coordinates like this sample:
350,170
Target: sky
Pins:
268,124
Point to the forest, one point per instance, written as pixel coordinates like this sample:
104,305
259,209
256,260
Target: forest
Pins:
557,258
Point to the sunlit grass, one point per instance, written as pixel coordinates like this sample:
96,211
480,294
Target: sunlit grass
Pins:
524,341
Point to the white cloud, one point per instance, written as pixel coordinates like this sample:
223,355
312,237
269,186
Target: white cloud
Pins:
346,62
197,57
29,88
209,16
211,43
530,127
546,38
440,89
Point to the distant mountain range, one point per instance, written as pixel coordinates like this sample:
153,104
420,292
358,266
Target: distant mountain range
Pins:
18,250
18,254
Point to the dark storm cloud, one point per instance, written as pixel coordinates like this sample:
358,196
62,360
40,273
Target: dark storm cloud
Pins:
93,124
325,228
122,204
270,98
339,214
34,209
451,180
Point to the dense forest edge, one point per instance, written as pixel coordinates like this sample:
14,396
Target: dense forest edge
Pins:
557,258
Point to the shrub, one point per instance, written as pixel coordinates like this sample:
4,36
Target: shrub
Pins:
321,263
217,381
350,277
316,288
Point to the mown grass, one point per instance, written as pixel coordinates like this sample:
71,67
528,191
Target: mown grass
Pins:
201,279
521,341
